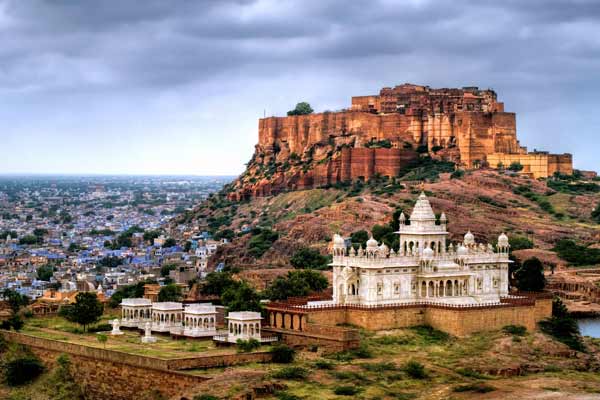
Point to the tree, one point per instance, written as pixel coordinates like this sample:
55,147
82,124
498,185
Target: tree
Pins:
241,297
530,277
149,236
15,300
170,292
360,237
596,213
216,283
302,108
102,338
45,272
127,292
28,240
22,370
170,242
187,247
296,284
515,166
519,243
86,310
166,269
307,258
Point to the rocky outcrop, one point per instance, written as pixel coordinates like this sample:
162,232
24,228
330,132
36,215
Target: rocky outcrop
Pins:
380,135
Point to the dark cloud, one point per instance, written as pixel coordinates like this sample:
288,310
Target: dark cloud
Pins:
536,53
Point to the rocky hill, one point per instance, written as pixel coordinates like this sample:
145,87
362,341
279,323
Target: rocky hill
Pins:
266,231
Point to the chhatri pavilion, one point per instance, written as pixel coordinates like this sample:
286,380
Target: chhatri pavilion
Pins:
424,269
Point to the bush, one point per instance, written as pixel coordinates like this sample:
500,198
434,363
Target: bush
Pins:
286,396
576,254
205,397
23,370
415,370
596,214
247,346
515,166
518,330
261,241
471,373
459,173
430,335
296,283
346,390
302,108
530,277
283,354
307,258
478,387
291,373
324,364
519,243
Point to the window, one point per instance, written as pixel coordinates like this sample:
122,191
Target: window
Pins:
380,288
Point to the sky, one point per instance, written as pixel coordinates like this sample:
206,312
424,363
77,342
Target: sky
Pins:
177,87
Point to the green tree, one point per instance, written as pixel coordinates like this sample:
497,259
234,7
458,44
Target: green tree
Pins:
360,237
170,292
86,310
102,338
216,283
302,108
296,284
128,292
530,277
15,300
241,297
519,243
169,242
166,269
45,272
149,236
29,240
307,258
596,213
515,166
22,370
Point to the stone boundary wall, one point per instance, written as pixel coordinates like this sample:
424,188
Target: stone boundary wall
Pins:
109,374
456,321
329,338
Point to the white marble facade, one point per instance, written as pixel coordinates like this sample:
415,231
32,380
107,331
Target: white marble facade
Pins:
425,268
243,325
194,320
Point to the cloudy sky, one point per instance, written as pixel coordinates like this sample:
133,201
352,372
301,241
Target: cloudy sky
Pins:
177,87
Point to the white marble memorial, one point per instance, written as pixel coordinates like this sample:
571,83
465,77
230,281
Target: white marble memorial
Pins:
148,338
199,320
115,327
424,269
135,312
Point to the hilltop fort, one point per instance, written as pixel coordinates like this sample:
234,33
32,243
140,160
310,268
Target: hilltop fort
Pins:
381,134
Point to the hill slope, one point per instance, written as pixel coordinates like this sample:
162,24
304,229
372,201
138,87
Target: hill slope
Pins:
487,202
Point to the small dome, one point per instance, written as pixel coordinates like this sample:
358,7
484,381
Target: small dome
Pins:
462,250
402,217
383,249
338,241
443,218
469,239
427,253
371,243
503,240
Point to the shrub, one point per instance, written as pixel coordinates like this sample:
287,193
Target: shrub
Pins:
247,346
307,258
261,241
415,370
291,373
296,283
205,397
430,335
459,173
283,354
519,243
518,330
577,254
302,108
379,367
515,166
286,396
478,387
346,390
23,370
324,364
471,373
530,277
596,213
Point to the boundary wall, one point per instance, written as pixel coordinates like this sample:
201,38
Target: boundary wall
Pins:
109,374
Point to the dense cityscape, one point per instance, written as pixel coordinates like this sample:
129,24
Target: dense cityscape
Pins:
97,233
